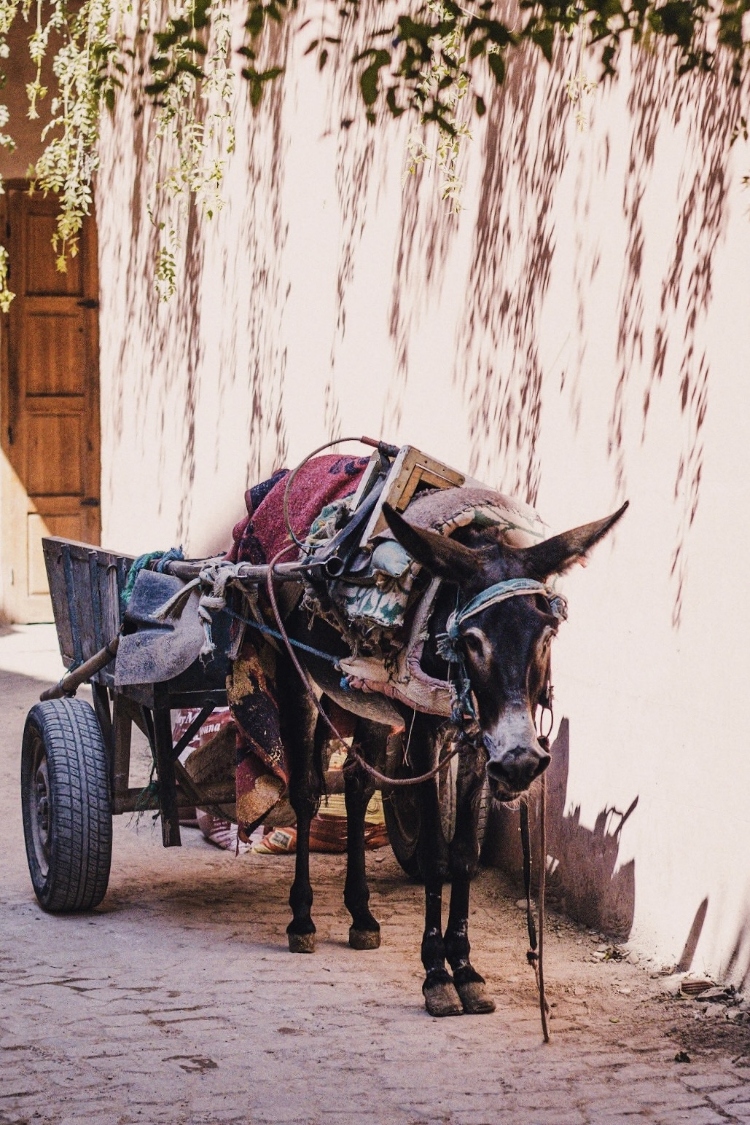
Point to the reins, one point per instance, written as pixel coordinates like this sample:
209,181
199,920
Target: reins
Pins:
535,952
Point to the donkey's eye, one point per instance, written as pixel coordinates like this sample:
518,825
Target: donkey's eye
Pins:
476,645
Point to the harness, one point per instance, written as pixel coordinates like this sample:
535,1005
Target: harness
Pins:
447,642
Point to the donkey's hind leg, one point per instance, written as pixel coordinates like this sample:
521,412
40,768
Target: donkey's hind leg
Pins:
304,739
464,858
370,740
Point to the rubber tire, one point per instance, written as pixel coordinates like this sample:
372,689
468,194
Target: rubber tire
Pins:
403,822
403,818
68,838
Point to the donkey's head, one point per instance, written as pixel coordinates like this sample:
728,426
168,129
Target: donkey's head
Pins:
502,629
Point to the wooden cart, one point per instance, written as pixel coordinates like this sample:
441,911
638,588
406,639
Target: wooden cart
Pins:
75,764
76,759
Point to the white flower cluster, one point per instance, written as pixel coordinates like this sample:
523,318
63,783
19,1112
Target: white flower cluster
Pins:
447,150
194,131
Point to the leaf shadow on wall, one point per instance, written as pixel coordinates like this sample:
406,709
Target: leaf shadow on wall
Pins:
587,883
498,361
706,108
163,376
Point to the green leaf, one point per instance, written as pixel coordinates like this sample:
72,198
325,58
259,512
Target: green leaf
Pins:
481,108
544,38
254,22
368,83
185,67
394,107
496,63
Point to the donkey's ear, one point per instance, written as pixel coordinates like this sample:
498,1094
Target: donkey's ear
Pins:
443,557
556,555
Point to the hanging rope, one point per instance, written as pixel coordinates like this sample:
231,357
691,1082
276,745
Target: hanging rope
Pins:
162,559
535,953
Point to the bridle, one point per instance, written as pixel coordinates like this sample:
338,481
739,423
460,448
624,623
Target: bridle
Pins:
448,642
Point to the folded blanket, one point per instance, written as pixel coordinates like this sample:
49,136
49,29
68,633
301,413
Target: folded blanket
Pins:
262,533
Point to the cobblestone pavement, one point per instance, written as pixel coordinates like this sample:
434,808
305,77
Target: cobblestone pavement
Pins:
178,1002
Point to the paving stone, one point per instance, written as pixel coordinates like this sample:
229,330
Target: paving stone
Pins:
116,1019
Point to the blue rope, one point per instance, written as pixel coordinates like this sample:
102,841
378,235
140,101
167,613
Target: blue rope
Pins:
273,633
174,554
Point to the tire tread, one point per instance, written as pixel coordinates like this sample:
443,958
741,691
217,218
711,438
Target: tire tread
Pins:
81,817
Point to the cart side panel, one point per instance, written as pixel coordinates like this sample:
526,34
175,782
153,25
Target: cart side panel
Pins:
57,565
85,583
82,601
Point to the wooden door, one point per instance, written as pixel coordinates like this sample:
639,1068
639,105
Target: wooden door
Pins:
50,402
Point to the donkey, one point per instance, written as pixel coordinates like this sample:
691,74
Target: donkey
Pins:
502,642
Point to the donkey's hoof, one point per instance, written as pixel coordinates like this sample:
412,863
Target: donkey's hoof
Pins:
474,998
364,939
442,999
301,943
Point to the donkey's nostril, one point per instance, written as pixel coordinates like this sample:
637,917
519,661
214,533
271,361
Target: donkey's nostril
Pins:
495,771
544,761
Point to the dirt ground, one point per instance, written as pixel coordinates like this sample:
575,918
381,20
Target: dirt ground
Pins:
177,1001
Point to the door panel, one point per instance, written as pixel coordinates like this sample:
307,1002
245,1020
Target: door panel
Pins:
53,352
41,274
49,403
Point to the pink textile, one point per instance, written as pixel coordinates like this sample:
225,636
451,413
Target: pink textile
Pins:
262,533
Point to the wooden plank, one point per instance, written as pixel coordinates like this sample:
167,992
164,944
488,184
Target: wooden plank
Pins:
53,558
410,469
165,772
122,715
94,596
83,608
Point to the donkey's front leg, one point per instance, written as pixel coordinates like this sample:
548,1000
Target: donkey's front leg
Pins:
440,996
370,741
305,741
464,857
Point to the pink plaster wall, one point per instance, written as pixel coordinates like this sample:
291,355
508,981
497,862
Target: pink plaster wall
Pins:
578,334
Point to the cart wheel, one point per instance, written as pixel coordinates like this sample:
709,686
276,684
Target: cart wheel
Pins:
402,811
67,818
403,820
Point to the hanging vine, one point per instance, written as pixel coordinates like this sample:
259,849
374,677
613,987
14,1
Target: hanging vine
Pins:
193,86
447,64
424,57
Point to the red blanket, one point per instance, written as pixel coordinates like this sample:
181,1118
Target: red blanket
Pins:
262,533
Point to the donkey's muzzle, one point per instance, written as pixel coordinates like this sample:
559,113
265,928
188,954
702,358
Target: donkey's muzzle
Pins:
514,772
